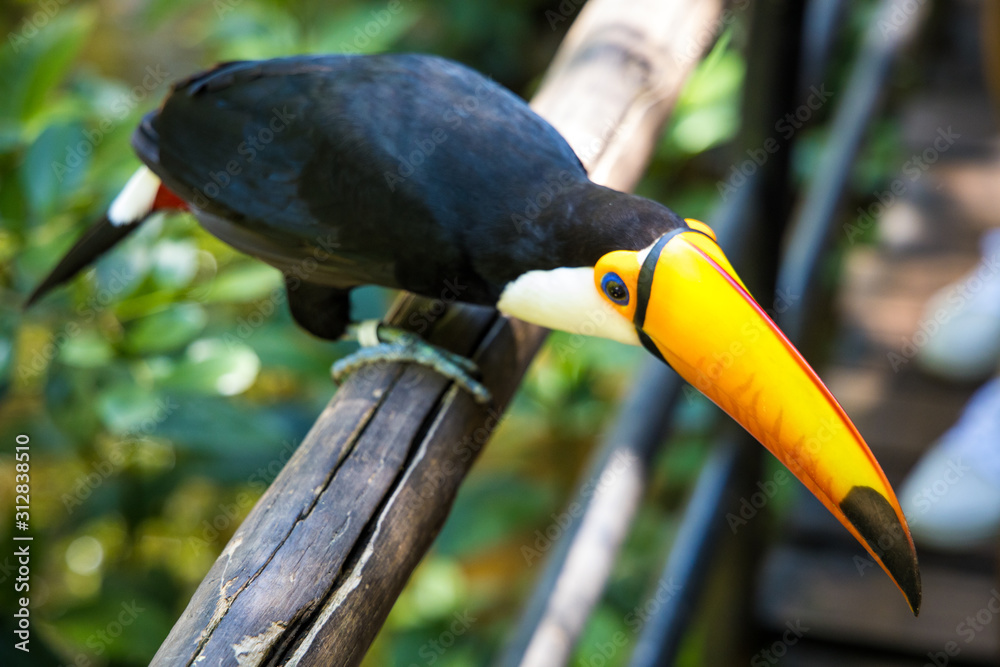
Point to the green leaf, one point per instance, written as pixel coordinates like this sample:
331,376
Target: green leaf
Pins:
52,168
514,504
167,330
88,349
707,113
124,625
215,366
365,29
279,342
127,408
175,263
5,357
224,427
717,78
243,283
37,55
252,30
706,127
120,272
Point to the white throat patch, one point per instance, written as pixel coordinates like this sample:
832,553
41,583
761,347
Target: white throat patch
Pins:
565,299
136,199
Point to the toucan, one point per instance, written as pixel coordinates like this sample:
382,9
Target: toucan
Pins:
417,173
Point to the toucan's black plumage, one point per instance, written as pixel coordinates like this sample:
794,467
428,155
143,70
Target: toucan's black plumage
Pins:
406,171
417,173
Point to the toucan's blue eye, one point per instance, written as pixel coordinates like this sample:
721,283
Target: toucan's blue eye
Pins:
614,287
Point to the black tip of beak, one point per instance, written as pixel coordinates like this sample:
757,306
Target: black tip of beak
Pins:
876,520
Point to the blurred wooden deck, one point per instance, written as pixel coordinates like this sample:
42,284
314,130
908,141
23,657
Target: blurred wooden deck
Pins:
811,579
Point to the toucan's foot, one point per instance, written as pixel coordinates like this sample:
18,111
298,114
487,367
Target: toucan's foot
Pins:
385,344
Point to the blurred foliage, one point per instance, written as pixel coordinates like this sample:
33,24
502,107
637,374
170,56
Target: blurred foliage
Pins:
165,388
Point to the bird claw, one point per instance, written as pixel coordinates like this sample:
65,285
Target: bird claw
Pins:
401,346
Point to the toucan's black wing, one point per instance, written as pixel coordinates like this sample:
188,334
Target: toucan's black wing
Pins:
371,160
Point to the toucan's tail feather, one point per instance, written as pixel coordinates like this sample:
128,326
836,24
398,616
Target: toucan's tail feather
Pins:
141,196
101,237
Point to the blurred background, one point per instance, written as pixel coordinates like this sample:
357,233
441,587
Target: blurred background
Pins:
164,390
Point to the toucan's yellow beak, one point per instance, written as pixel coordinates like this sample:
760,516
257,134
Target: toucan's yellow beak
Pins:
690,309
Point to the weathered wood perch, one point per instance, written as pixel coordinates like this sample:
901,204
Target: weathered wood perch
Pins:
311,574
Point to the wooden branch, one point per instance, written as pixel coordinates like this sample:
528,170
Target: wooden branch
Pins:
615,78
311,574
